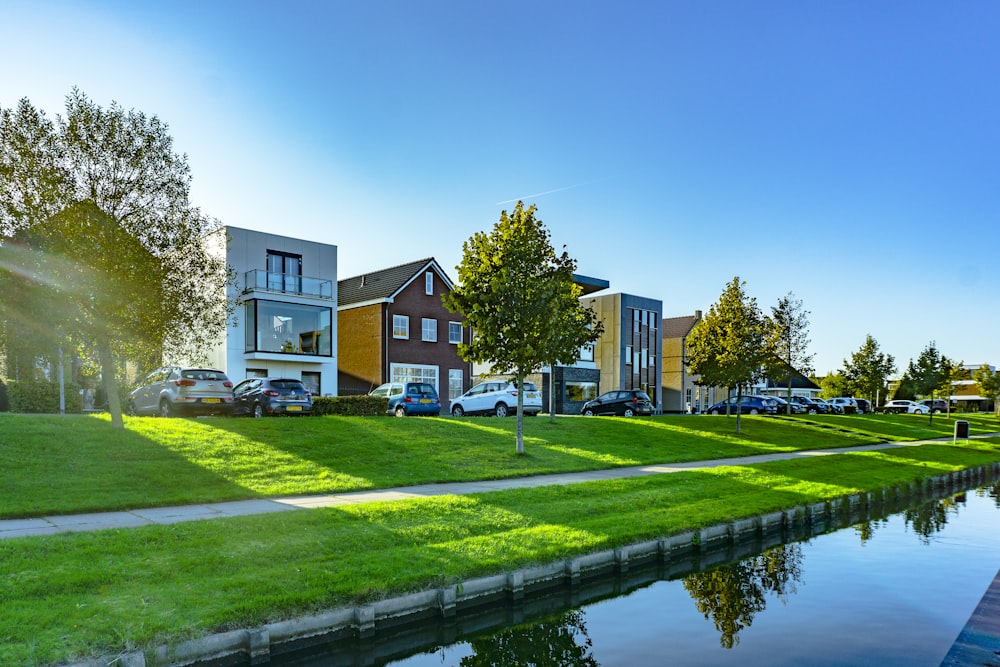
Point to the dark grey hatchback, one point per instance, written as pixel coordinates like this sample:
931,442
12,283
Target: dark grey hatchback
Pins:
621,402
258,397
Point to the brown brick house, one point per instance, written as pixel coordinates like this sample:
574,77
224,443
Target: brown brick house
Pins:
393,327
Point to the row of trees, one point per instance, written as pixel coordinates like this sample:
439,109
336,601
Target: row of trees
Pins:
101,253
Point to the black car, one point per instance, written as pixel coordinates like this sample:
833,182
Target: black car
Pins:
749,405
258,397
864,406
621,402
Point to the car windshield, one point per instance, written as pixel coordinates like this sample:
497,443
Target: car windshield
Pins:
289,385
527,386
642,396
204,374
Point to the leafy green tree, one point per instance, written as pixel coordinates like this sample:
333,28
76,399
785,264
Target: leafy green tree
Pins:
834,385
988,382
519,297
789,340
931,374
123,164
868,370
728,346
561,641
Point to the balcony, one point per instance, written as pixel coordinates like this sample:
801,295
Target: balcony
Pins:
286,283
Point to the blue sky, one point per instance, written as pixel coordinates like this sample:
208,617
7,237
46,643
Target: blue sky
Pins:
847,152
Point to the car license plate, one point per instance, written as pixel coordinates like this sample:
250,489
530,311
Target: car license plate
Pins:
532,394
294,408
425,400
209,400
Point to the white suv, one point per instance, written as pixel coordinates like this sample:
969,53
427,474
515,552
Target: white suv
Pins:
497,398
173,390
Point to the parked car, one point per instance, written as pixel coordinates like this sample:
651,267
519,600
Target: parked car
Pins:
937,405
831,408
812,406
848,405
258,397
410,398
173,390
620,402
782,406
909,407
749,405
864,406
499,398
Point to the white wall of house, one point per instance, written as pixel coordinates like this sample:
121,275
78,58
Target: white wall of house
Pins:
291,298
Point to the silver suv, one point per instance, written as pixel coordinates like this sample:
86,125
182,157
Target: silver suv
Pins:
173,390
498,397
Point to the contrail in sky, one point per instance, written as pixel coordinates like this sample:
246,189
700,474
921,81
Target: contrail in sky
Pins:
539,194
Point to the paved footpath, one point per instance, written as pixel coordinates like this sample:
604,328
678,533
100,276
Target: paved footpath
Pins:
49,525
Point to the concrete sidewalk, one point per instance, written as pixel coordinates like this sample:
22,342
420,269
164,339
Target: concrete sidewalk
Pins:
49,525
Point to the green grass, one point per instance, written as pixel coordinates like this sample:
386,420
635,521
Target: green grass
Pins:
81,594
57,465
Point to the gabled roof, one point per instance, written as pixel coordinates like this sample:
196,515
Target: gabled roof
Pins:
679,327
385,284
799,381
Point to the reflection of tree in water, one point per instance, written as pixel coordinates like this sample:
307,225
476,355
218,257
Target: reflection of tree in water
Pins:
559,642
991,492
732,594
866,529
932,517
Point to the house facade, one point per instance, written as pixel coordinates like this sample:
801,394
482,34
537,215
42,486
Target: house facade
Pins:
285,321
965,394
629,352
682,391
393,327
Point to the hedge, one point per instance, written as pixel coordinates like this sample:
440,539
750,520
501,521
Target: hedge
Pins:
42,396
363,406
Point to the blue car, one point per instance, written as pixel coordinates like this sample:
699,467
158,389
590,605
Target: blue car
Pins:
749,405
416,398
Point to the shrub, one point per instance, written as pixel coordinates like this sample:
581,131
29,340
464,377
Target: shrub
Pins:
359,406
42,396
4,404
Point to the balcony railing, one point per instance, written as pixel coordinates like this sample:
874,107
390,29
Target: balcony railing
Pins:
286,283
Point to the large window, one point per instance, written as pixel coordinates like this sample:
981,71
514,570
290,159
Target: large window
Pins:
455,382
400,326
581,391
428,330
290,328
414,373
284,272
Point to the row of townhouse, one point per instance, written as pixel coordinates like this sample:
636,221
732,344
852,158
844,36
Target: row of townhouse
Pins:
344,337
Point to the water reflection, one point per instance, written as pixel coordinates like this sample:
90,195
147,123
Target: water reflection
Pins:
730,596
558,642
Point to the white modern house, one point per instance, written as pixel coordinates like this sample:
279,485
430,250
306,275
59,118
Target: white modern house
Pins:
285,322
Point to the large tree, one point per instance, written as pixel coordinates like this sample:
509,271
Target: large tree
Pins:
123,164
930,374
988,382
519,297
728,347
789,341
868,370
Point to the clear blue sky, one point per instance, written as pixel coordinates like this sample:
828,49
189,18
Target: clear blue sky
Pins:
847,152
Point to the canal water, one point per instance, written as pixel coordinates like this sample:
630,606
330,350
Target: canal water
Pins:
891,590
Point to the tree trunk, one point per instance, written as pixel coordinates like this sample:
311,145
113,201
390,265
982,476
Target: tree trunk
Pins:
739,406
520,415
110,384
552,393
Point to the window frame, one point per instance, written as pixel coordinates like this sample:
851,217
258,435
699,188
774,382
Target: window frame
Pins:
428,329
429,283
461,333
401,327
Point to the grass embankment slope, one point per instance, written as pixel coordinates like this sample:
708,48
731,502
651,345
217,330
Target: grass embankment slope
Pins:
103,592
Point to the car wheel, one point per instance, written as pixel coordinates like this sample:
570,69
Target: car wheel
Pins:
130,410
588,413
258,410
165,409
753,411
400,411
629,412
937,411
714,412
500,410
812,411
457,411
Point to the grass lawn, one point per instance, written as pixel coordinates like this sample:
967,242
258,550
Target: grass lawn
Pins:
99,593
73,464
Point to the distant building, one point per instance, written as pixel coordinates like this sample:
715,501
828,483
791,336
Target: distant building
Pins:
287,297
965,392
394,328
